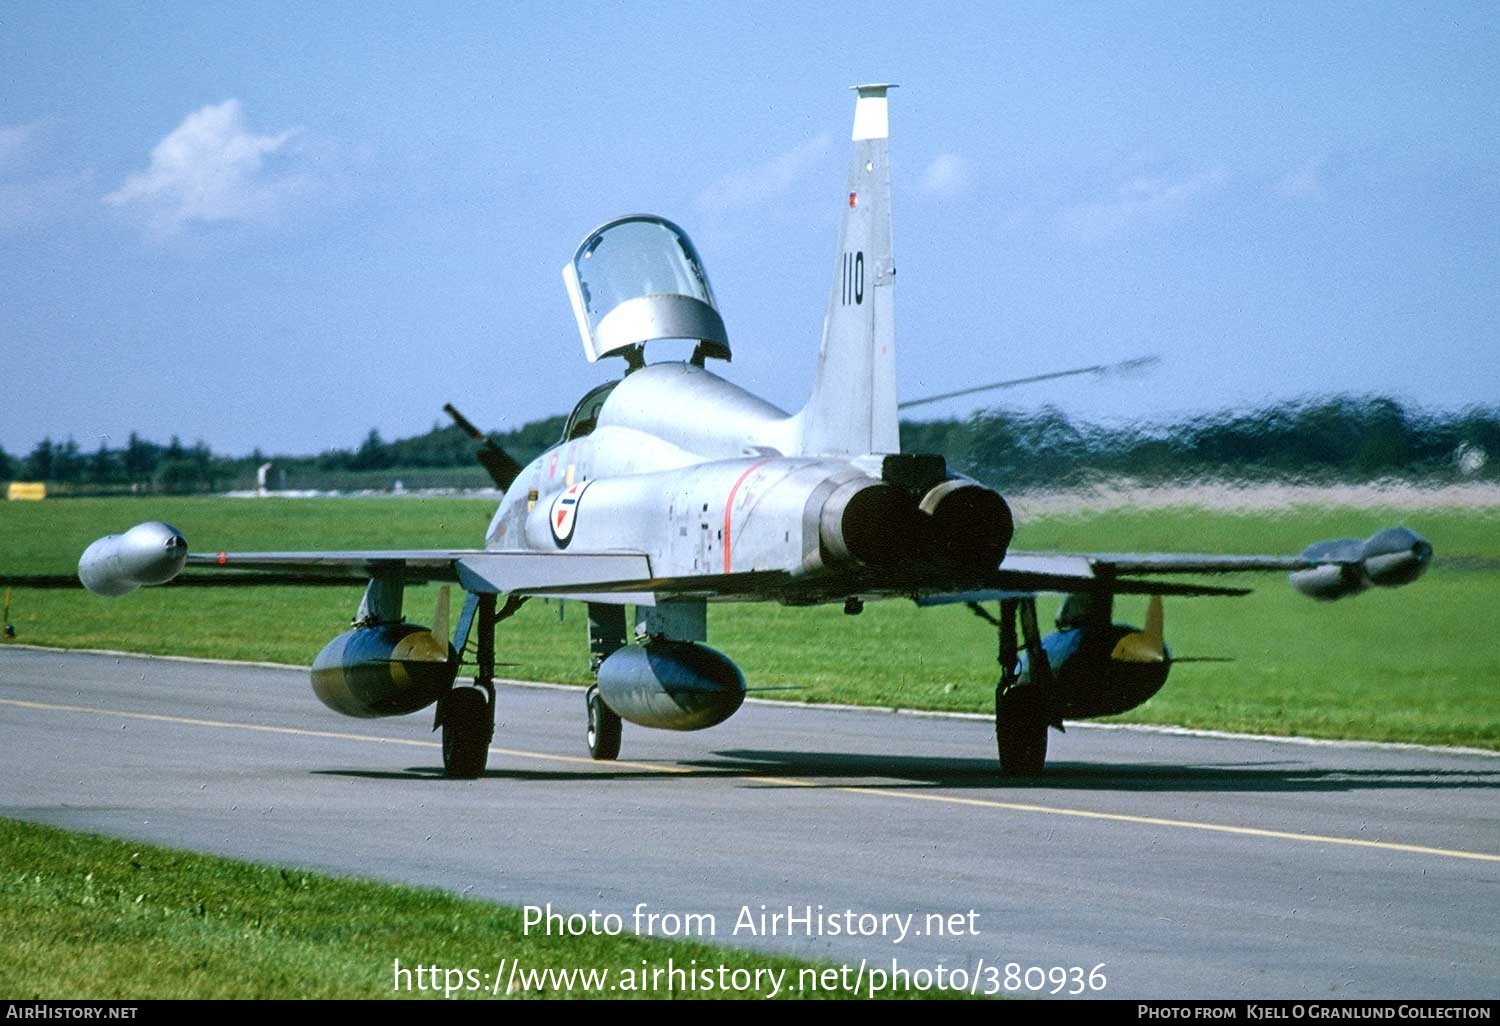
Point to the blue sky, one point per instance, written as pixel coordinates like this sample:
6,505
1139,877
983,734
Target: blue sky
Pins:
282,225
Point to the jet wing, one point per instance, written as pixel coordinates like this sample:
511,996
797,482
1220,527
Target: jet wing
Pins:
154,553
1115,563
411,565
186,580
502,572
603,576
1325,570
1027,573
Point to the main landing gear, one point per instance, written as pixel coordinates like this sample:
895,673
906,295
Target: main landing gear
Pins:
606,636
468,729
604,728
1023,705
467,712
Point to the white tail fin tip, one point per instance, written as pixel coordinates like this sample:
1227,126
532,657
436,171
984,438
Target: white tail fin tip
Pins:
871,120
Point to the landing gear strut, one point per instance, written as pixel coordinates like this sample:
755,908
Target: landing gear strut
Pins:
1022,708
468,711
606,636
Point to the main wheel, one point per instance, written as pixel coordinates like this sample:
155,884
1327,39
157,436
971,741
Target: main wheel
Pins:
468,728
1021,731
604,728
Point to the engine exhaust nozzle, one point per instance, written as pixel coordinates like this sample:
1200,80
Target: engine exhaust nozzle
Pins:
869,522
968,524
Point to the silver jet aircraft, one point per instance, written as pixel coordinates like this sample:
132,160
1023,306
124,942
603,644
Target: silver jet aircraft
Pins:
673,487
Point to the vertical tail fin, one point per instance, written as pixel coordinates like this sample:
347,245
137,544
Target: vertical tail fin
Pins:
852,410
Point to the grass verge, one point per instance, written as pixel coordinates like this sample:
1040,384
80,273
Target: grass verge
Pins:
87,917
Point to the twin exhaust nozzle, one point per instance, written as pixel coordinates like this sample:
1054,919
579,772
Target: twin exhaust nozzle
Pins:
957,524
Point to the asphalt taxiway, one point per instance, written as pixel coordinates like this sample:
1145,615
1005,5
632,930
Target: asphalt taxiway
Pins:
1187,865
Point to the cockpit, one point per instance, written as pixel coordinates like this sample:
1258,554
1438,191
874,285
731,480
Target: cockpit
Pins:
638,279
585,416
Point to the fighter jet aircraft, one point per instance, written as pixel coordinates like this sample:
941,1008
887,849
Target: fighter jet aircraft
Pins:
672,487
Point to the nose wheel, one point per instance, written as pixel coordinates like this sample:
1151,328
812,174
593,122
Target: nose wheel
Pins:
604,728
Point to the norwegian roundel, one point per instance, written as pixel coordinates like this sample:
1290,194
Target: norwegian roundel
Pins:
564,514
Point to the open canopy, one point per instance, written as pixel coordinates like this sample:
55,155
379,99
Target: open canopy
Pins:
637,279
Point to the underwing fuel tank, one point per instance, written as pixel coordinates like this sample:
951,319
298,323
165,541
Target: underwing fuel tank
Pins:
1100,668
388,669
672,685
1092,679
117,564
1387,559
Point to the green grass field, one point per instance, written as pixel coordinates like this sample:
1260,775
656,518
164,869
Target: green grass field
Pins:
86,917
1418,664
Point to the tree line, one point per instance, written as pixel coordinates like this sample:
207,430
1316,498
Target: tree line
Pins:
1331,439
1340,438
142,465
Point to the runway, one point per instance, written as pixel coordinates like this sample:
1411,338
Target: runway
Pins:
1189,866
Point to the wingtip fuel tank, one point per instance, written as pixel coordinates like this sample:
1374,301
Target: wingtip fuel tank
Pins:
1348,566
117,564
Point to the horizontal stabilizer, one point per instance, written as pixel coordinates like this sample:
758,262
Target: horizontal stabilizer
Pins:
1136,364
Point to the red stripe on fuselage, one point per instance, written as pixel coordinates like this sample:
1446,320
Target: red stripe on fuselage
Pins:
730,505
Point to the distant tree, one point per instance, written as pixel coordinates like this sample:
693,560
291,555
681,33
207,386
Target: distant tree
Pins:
1384,445
530,440
179,476
205,466
372,454
140,458
334,459
39,463
104,466
68,464
1033,448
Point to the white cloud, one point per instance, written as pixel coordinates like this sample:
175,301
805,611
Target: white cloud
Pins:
1141,199
946,176
211,168
763,183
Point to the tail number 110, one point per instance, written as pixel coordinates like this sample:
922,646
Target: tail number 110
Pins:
854,279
